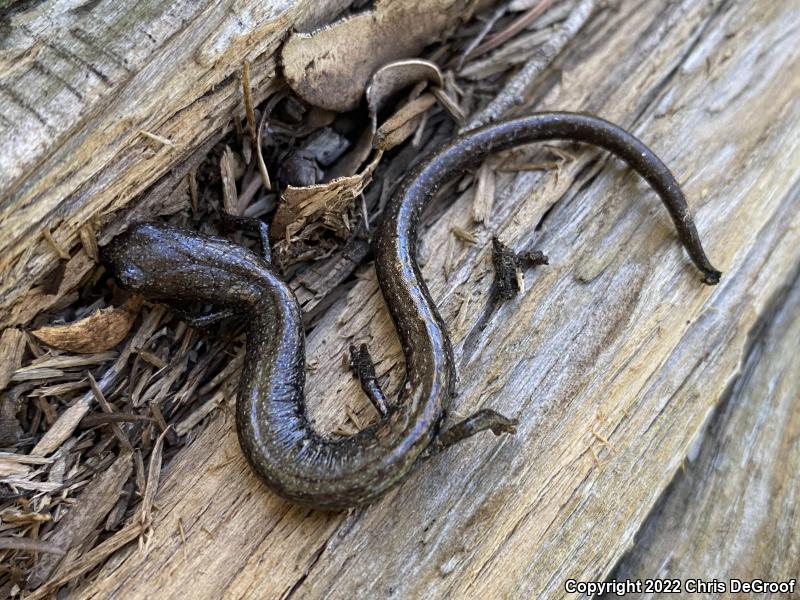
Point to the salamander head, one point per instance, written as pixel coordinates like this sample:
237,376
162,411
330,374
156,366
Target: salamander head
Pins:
163,262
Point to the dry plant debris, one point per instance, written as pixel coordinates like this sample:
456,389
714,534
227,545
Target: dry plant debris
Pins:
95,400
331,66
100,331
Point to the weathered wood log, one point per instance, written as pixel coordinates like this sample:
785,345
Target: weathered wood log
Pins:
99,101
732,511
613,359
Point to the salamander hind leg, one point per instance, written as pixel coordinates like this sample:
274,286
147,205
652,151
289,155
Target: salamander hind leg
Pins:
483,420
363,367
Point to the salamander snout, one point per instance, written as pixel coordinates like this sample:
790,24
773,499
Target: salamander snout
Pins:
163,262
134,257
155,259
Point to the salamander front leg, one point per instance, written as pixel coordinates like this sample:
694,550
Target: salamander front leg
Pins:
364,368
480,421
202,321
250,225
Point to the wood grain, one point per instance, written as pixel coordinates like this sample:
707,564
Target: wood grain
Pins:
81,82
732,511
613,359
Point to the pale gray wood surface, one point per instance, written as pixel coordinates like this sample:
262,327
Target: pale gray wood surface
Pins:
613,360
732,511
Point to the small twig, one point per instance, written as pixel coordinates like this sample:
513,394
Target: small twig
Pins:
514,92
157,138
513,29
262,167
21,543
248,103
604,441
255,132
475,42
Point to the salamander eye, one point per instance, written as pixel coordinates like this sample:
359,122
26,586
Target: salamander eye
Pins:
131,277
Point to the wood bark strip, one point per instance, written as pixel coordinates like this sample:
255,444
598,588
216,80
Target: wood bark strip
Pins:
613,360
98,499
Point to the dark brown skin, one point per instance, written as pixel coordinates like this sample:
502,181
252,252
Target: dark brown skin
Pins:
178,266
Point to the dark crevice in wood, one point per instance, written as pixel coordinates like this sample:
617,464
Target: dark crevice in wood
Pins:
783,299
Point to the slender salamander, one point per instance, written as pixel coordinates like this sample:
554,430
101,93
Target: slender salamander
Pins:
175,265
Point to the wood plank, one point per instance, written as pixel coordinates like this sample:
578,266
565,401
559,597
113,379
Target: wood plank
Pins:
732,511
80,82
612,360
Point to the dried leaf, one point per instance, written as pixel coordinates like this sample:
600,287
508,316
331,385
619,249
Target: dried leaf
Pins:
397,75
331,66
103,329
306,212
385,83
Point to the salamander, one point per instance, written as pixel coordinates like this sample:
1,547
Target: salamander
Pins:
178,266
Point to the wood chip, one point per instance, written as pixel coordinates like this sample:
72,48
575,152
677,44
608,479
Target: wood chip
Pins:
71,417
151,488
12,347
200,413
89,241
89,560
227,170
25,459
483,201
97,499
307,212
151,358
402,125
517,87
103,329
60,250
59,363
509,32
463,234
